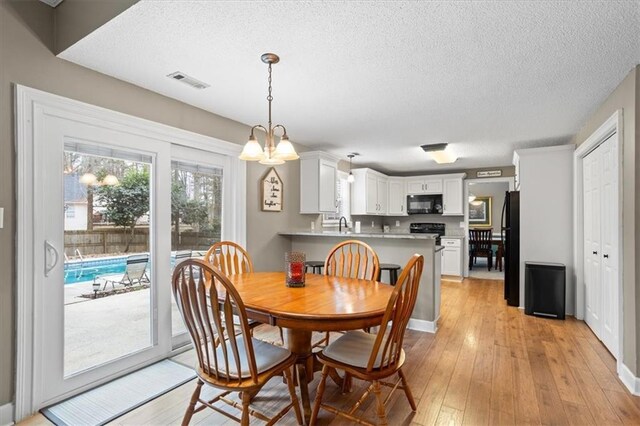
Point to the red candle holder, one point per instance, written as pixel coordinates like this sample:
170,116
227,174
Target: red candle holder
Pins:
294,266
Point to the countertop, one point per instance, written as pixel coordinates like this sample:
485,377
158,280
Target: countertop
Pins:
453,237
350,234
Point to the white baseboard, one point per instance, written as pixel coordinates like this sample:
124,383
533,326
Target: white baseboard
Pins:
630,381
6,414
423,325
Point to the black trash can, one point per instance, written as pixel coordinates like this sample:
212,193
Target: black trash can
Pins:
544,289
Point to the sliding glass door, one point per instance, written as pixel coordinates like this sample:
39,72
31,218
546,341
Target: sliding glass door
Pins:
100,199
107,205
197,201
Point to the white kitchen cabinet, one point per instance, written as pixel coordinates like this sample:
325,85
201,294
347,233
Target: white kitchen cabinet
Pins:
369,192
424,185
451,256
452,196
318,173
397,197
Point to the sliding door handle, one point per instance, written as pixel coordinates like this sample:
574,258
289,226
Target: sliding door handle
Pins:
50,257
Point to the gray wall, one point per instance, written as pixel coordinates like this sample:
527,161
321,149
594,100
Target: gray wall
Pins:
626,97
263,242
26,44
496,191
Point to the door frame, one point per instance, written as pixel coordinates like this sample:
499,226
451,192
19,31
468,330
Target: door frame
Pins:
510,180
28,103
612,126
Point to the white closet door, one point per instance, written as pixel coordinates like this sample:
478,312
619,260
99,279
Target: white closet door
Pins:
601,230
609,239
591,180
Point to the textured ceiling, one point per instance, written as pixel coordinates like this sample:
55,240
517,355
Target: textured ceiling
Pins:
383,78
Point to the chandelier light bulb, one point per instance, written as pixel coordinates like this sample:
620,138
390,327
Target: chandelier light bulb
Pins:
110,180
88,179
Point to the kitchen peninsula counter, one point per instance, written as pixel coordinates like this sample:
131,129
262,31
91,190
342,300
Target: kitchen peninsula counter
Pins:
354,235
391,248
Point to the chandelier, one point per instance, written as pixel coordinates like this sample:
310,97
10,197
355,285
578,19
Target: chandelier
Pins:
270,155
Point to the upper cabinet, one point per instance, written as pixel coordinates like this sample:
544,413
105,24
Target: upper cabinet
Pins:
452,195
373,193
369,192
397,197
318,173
424,185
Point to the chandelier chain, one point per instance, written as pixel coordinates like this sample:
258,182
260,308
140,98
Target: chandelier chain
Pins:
269,97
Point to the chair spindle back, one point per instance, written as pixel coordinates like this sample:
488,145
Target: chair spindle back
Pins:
352,259
480,239
208,301
388,345
229,257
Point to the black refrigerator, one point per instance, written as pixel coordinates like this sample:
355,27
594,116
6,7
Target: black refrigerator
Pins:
510,234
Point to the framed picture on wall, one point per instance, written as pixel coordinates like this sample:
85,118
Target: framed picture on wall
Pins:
272,191
480,212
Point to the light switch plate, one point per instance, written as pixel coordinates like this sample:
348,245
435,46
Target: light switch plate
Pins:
397,223
1,217
462,224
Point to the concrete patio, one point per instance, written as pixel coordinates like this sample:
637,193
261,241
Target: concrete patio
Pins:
100,330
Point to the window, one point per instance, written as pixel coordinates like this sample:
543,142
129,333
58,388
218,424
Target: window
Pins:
70,211
343,192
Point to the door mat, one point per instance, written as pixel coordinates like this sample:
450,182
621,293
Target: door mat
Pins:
111,400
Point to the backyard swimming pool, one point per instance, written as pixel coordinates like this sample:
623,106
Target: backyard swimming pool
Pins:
77,271
86,270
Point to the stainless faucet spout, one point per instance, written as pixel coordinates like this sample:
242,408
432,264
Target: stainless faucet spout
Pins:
340,223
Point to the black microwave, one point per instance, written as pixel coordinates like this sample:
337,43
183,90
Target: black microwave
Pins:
424,204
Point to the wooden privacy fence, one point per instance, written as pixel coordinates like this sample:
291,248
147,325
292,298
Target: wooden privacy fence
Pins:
114,240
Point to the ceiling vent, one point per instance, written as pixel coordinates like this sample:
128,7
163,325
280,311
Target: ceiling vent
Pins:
182,77
52,3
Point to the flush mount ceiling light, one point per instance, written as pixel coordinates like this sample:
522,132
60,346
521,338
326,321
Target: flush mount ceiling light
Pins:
270,155
351,178
439,153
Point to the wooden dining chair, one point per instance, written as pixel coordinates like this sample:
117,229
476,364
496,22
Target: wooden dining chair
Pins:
231,258
228,357
351,259
480,246
375,357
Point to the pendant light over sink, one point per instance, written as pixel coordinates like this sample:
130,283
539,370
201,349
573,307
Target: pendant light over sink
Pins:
351,178
270,155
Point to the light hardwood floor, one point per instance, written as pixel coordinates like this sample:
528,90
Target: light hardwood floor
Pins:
488,364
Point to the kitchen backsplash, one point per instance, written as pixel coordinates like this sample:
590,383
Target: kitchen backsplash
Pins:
452,223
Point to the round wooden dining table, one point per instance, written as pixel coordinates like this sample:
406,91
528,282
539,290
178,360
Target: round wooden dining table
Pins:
325,303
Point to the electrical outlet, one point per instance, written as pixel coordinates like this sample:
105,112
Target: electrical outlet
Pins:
397,223
373,224
462,224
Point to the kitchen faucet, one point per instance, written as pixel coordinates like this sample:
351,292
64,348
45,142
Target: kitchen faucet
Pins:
340,223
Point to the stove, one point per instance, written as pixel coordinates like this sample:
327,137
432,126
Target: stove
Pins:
428,228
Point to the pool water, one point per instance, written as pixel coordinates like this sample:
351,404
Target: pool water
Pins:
87,270
77,271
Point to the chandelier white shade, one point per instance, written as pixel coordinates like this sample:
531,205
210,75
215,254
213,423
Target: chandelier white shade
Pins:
271,154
